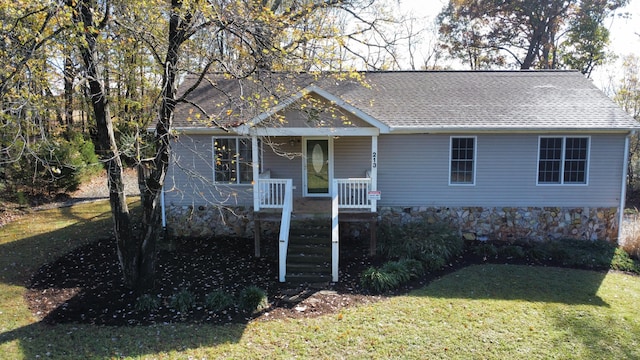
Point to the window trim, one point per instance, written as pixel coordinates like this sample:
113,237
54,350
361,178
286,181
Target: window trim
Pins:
563,160
213,159
475,159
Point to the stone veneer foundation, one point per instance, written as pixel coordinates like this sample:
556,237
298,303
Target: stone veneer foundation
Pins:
474,223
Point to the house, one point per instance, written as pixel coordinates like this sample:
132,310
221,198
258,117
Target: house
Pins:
498,154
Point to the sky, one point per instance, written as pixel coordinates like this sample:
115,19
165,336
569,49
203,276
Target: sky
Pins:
623,31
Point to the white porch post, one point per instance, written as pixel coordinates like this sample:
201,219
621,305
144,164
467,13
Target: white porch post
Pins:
255,162
374,170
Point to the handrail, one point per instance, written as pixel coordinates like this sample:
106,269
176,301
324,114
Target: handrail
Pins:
335,233
285,224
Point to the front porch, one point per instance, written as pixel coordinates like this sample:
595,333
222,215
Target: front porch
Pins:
351,201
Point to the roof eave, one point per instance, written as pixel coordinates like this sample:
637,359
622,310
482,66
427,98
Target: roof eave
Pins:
504,130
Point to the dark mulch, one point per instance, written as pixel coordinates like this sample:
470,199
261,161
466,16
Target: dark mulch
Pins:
85,286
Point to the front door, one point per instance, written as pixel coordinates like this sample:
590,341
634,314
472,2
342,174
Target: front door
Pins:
318,167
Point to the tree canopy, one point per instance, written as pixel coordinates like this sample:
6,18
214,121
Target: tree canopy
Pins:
546,34
110,69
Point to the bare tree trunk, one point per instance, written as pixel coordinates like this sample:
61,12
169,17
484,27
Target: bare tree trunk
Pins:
69,75
107,149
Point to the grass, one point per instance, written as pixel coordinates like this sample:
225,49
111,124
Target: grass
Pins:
484,311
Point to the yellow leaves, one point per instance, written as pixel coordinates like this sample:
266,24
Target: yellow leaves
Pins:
229,112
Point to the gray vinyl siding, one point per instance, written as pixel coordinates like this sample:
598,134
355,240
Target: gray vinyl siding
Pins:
413,170
352,157
190,176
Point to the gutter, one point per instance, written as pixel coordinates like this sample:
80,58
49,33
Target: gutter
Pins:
623,188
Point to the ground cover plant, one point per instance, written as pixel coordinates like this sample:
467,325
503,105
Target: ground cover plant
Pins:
484,311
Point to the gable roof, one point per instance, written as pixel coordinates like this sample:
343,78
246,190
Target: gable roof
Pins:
426,101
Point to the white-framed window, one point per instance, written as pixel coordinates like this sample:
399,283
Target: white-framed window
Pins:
232,160
462,164
563,160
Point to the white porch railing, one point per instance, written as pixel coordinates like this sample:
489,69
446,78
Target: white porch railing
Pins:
285,225
350,193
277,194
271,193
353,193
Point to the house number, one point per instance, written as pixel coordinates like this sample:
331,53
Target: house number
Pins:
374,160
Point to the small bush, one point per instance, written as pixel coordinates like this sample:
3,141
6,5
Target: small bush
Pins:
623,262
218,300
397,270
573,252
415,267
147,302
252,299
378,280
183,300
486,250
391,275
512,252
431,244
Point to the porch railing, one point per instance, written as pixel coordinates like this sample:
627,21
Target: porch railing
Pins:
353,193
271,193
285,224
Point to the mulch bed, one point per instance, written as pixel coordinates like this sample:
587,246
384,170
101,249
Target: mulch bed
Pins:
85,285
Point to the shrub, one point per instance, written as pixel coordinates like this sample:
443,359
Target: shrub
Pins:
391,275
218,300
511,251
483,249
431,244
623,262
573,252
183,300
147,302
397,270
252,299
415,267
51,166
378,280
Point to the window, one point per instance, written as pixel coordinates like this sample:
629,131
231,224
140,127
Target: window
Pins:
462,167
232,160
563,160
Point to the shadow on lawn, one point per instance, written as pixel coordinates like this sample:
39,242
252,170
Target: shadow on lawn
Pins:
21,259
76,342
520,282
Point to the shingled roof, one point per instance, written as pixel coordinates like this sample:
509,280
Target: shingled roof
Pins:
428,101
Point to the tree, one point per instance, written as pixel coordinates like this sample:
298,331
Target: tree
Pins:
238,38
545,34
628,97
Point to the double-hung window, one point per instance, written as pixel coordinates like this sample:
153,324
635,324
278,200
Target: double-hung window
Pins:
232,160
563,160
462,167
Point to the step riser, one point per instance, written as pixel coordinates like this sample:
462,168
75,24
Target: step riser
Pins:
309,252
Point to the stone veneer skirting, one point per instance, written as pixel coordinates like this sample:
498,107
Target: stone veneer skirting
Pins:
482,223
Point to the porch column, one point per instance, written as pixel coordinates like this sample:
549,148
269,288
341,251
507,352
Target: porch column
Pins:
255,164
374,170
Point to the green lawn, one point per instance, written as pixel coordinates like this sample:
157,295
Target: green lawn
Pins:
486,311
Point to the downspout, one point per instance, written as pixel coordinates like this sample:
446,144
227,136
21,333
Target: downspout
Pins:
623,192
